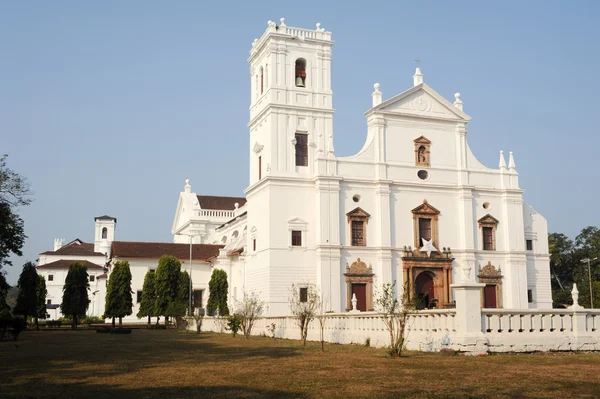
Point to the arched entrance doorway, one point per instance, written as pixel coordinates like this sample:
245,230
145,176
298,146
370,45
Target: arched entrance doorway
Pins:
423,290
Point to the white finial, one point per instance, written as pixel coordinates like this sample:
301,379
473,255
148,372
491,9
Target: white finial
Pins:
418,76
282,20
511,161
502,161
377,95
236,205
575,296
318,26
458,102
188,187
254,42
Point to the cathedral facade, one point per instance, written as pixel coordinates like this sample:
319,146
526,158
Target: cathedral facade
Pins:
413,206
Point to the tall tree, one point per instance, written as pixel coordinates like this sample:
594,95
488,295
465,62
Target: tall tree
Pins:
119,301
166,284
41,294
147,308
75,299
217,297
561,260
4,308
27,298
14,192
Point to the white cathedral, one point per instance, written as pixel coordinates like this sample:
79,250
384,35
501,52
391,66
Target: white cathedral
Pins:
413,206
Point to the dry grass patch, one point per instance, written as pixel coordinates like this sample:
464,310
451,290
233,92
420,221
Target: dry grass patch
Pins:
159,364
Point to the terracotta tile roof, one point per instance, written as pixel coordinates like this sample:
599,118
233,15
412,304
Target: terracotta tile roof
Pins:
77,248
237,251
220,203
65,263
154,250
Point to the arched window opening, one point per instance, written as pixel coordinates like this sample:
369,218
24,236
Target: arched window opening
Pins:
104,233
301,72
262,80
424,291
224,240
267,76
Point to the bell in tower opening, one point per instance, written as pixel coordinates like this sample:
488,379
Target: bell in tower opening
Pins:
301,72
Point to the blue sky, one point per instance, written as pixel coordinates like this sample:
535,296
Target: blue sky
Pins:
107,107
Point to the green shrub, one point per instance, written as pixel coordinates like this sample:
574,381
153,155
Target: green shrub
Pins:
91,320
234,323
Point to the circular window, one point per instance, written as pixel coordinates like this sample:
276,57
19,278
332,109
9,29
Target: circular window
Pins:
422,174
486,205
356,198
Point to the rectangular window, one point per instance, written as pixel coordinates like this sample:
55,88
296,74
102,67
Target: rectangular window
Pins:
529,245
254,244
296,238
424,230
51,277
530,296
301,149
49,302
139,297
304,294
92,278
488,238
198,298
259,167
358,233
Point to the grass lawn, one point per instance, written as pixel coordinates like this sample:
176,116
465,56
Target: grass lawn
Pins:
160,364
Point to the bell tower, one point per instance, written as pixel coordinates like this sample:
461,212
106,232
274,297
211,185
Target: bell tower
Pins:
291,113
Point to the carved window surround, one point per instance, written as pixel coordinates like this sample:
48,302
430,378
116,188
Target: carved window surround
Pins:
491,222
359,273
358,215
425,211
489,275
422,151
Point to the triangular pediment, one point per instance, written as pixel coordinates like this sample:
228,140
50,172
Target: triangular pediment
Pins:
422,101
422,140
426,209
488,219
358,213
297,220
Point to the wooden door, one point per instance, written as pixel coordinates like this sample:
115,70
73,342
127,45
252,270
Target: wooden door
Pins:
489,296
360,290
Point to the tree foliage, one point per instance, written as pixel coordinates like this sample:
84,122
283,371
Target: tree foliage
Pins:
178,307
568,265
14,192
41,294
4,308
166,284
218,291
12,234
395,311
27,298
119,302
249,309
147,308
75,299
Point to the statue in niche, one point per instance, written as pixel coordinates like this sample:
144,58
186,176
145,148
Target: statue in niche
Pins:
422,155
